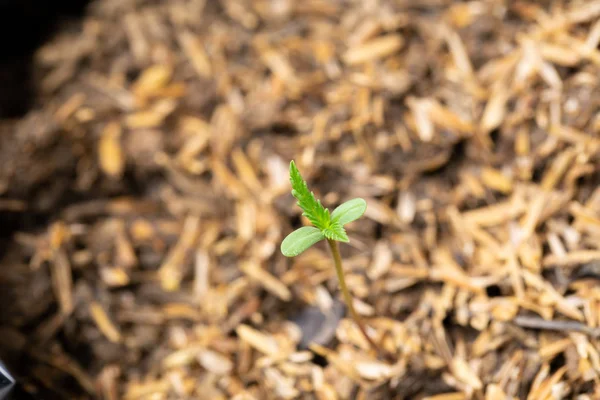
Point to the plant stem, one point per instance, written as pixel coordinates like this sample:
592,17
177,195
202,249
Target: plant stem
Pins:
335,252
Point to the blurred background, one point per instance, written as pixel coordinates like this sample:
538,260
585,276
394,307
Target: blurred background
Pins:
144,194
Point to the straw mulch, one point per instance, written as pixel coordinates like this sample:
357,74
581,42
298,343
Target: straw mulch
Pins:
148,194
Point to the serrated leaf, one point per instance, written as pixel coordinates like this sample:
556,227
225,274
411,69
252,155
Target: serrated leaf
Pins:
349,211
313,210
300,240
336,231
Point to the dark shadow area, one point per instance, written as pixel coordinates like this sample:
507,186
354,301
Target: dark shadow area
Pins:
24,26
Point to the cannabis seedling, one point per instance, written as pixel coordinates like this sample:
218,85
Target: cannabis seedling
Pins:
326,226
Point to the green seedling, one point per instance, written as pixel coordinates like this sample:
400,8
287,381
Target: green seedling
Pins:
325,226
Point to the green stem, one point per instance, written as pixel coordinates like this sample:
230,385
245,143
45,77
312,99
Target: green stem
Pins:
335,251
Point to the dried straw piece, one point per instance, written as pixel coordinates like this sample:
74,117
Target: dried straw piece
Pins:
495,214
201,275
552,349
559,54
137,39
374,49
584,216
110,151
61,273
172,269
182,357
343,367
380,212
260,341
447,119
152,117
69,107
458,51
557,169
447,396
215,362
549,385
104,323
114,277
245,170
371,370
571,259
382,261
151,81
194,50
107,382
367,29
268,281
495,110
280,66
421,109
147,388
494,179
62,281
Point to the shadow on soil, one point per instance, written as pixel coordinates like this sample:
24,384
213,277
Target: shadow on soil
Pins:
24,26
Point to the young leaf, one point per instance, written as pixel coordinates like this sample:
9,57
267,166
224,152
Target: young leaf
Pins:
300,240
349,211
337,232
313,210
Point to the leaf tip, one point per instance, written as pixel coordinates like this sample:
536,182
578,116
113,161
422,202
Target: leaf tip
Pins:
349,211
300,240
287,253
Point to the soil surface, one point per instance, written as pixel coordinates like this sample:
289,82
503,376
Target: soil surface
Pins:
144,195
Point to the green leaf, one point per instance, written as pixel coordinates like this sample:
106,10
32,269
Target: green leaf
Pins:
336,231
313,210
349,211
300,240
